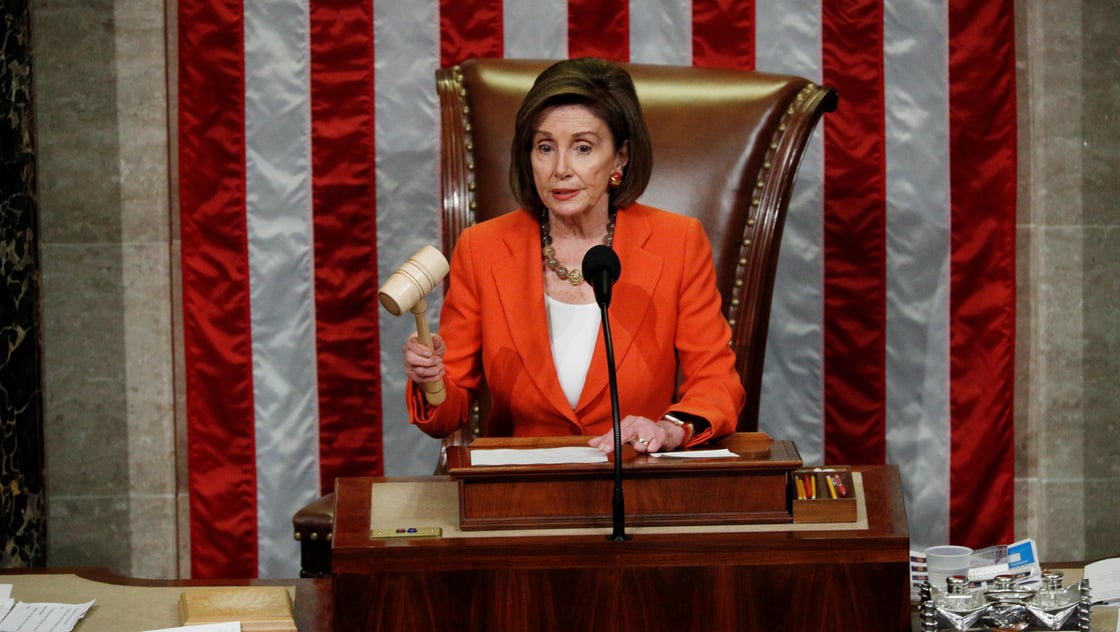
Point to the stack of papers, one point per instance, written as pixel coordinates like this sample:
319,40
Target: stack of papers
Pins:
1104,581
16,616
1019,559
575,454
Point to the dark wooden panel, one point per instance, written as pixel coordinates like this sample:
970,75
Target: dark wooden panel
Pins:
740,598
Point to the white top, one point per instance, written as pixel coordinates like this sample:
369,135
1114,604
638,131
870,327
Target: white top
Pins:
572,332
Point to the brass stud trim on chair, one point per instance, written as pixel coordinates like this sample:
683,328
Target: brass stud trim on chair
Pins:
468,148
756,202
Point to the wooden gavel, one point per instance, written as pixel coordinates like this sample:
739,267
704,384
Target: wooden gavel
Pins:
404,291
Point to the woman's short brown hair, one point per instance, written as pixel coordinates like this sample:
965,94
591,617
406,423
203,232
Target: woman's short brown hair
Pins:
608,91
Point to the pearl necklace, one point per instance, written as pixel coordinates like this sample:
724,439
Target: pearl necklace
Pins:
575,275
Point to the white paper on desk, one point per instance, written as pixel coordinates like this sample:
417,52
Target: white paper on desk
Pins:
44,617
233,626
6,601
721,453
537,456
1104,581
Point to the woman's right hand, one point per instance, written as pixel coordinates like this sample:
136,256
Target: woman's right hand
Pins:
421,364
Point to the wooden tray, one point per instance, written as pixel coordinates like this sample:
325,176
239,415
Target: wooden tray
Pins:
824,508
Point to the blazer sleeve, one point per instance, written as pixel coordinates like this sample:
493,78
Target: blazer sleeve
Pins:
461,329
710,385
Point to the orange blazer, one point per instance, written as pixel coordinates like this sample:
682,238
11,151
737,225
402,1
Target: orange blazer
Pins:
664,315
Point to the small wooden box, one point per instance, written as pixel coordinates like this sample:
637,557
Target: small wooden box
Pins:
258,608
823,507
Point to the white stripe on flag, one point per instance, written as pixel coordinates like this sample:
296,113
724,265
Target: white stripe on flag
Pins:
788,37
917,364
661,32
535,30
406,56
278,217
788,40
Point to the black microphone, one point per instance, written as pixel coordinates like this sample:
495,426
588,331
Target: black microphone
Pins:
601,268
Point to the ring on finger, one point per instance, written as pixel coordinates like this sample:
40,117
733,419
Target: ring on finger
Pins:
643,441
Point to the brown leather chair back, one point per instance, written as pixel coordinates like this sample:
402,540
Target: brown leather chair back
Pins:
727,145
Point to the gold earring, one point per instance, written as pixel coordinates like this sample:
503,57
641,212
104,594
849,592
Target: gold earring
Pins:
616,179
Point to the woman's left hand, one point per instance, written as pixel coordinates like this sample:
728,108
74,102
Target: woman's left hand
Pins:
644,434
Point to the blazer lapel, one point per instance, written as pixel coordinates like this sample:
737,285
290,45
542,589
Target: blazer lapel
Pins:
630,301
517,275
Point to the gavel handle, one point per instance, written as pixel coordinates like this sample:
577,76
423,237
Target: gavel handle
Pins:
434,392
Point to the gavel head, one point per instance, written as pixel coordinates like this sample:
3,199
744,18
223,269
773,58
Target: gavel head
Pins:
411,282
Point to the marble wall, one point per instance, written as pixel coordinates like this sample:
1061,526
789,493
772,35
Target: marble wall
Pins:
113,409
101,78
1067,402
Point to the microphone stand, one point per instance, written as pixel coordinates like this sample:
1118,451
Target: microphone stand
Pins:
601,269
618,504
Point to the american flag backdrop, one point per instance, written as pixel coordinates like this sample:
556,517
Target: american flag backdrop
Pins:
307,173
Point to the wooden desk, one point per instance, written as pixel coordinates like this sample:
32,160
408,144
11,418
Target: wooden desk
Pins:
768,580
125,604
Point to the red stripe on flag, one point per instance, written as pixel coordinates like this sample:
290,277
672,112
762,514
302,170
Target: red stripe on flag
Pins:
723,34
469,30
982,131
344,207
854,234
599,28
217,340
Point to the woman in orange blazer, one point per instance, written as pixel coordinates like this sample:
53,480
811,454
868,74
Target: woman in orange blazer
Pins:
519,315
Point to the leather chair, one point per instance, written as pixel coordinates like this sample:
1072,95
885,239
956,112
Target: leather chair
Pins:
727,146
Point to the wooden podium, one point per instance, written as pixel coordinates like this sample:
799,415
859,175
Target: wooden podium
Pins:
693,577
